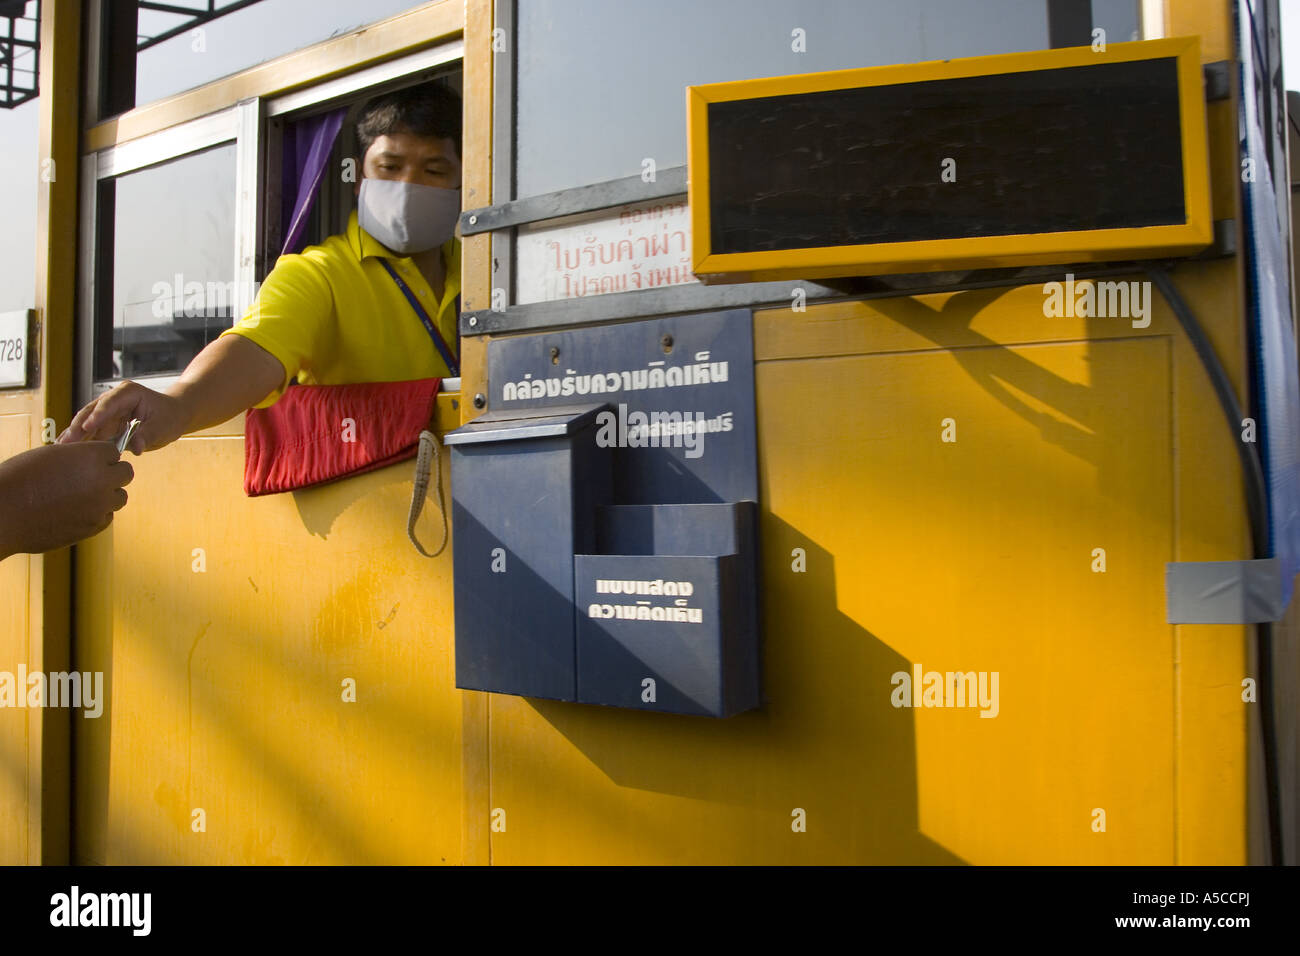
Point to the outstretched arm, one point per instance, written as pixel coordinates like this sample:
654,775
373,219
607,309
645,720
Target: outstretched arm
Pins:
229,375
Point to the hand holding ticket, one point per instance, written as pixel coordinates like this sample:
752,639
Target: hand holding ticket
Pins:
162,418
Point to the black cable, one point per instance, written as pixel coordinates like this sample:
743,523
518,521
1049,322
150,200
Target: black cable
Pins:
1257,504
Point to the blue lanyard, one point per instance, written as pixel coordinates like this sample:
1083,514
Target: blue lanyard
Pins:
439,343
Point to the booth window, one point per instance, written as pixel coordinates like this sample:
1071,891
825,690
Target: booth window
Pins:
180,224
151,50
167,236
590,112
589,140
178,242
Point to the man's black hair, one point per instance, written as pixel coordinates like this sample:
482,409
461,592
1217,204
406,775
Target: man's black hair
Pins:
430,110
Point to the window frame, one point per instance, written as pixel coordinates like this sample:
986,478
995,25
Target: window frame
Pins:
238,124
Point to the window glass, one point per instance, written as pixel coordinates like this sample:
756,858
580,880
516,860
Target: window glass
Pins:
19,167
590,110
172,251
1119,18
201,52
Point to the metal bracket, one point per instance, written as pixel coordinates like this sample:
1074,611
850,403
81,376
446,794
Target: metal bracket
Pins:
1218,81
1224,592
1225,241
568,202
558,313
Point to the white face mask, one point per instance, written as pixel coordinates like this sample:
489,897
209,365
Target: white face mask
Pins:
407,217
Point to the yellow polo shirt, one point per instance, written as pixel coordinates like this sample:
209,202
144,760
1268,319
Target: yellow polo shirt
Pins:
333,315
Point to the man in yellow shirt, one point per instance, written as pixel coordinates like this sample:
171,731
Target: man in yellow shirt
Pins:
376,303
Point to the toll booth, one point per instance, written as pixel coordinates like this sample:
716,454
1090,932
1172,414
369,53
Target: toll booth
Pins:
983,328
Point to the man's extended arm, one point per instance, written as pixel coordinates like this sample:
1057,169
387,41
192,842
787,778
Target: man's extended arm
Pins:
229,375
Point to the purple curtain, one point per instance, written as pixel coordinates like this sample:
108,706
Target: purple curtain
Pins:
307,146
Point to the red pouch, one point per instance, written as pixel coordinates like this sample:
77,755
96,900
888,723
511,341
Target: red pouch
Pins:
302,440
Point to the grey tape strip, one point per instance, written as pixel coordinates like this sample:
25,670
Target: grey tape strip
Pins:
1224,592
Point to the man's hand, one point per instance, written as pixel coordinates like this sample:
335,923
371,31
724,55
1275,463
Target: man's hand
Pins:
231,374
55,495
163,418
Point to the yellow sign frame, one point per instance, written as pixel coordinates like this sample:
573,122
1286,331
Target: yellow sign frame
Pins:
1091,245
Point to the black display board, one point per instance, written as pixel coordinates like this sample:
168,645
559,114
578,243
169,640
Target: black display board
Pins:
1075,148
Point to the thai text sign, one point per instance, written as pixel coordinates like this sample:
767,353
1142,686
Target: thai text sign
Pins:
638,246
